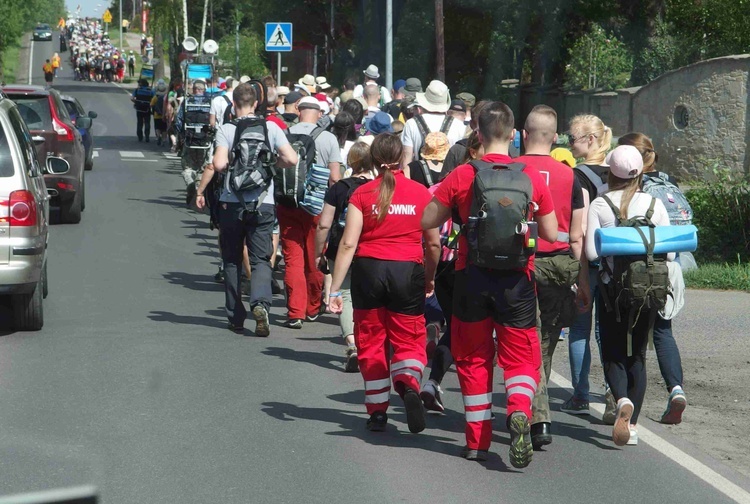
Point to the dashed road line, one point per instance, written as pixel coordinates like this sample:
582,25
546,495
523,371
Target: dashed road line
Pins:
696,467
131,154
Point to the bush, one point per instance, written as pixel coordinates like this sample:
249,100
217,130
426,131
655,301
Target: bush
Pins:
722,215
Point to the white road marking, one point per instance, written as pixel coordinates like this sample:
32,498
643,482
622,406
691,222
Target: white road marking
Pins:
131,154
31,58
696,467
95,155
141,160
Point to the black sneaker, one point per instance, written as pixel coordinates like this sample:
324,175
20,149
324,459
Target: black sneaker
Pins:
352,362
262,327
377,422
293,323
235,329
158,141
521,449
313,318
147,140
220,277
478,455
414,411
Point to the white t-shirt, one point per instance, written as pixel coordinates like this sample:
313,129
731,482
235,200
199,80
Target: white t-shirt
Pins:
225,138
601,216
385,95
219,105
411,137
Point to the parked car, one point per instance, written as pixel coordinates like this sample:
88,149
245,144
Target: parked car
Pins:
56,135
75,110
24,219
43,32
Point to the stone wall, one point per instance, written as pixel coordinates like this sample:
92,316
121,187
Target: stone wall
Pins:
696,115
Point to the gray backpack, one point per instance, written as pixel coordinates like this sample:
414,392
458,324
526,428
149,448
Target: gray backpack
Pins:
500,207
252,160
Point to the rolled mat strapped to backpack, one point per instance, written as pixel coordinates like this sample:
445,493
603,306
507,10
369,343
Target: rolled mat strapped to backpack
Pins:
617,241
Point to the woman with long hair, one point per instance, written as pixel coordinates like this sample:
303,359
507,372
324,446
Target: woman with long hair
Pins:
393,269
624,359
590,139
346,135
357,111
330,230
667,353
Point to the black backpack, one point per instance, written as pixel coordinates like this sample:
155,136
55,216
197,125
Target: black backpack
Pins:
337,228
252,160
639,284
501,208
427,173
289,183
424,130
228,115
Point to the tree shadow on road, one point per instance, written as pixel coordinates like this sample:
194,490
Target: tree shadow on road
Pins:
322,360
173,318
166,201
353,425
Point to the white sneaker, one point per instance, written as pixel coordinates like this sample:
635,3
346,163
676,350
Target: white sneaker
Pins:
633,441
431,396
621,430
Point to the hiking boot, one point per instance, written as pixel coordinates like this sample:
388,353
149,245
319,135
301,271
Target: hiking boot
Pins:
414,411
621,430
431,396
575,407
521,449
633,441
293,323
478,455
540,435
377,422
675,406
352,362
220,276
433,336
610,408
262,327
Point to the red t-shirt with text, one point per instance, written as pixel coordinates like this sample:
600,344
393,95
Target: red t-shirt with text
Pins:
457,189
399,236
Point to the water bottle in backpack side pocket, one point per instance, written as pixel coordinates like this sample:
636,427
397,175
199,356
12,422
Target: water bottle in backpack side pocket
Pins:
530,231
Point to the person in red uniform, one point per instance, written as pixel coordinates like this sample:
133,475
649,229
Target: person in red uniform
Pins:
499,300
553,261
394,268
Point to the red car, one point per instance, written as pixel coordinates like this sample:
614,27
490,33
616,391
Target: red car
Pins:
55,134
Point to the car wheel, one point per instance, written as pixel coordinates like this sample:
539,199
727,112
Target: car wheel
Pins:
45,282
70,213
27,309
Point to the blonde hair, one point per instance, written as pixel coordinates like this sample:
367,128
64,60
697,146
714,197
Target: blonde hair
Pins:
589,124
644,146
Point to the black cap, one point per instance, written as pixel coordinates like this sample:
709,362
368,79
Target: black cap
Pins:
458,106
292,97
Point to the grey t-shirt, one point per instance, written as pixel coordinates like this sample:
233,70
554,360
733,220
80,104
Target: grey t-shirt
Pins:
327,148
225,138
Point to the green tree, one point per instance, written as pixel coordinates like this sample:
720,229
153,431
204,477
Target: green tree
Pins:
251,50
599,60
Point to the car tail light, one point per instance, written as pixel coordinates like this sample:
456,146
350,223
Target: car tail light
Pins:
23,210
64,132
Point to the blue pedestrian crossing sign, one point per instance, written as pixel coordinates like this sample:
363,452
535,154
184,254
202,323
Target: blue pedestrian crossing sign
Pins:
279,37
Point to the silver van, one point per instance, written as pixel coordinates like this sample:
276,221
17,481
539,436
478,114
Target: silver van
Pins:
24,218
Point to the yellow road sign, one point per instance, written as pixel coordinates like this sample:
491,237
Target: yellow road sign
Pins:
107,17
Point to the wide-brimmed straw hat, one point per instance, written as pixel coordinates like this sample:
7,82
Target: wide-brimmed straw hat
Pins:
436,98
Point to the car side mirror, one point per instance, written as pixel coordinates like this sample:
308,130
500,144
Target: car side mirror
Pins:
93,115
84,122
57,165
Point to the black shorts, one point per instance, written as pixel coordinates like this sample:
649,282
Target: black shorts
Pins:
395,285
160,124
507,297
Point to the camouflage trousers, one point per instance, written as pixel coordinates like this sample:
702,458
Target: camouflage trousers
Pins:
548,338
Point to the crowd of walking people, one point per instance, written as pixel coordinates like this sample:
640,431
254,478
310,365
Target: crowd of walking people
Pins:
417,220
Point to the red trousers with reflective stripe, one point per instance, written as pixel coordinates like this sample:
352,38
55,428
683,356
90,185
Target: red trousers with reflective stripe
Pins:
473,349
375,332
302,279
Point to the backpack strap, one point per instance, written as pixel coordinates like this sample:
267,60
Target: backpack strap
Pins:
315,133
650,212
615,210
590,174
447,123
424,130
426,172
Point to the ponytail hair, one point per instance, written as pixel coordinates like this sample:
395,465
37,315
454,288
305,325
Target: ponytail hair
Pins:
386,151
628,187
589,124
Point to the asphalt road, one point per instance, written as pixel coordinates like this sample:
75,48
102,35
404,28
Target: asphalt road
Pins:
135,386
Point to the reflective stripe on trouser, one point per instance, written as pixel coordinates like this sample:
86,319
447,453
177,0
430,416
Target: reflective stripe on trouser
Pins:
473,349
375,331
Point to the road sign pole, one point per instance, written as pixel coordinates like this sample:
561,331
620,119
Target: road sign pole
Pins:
122,47
278,69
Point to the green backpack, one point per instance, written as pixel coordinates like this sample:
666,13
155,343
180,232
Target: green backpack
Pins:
639,284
